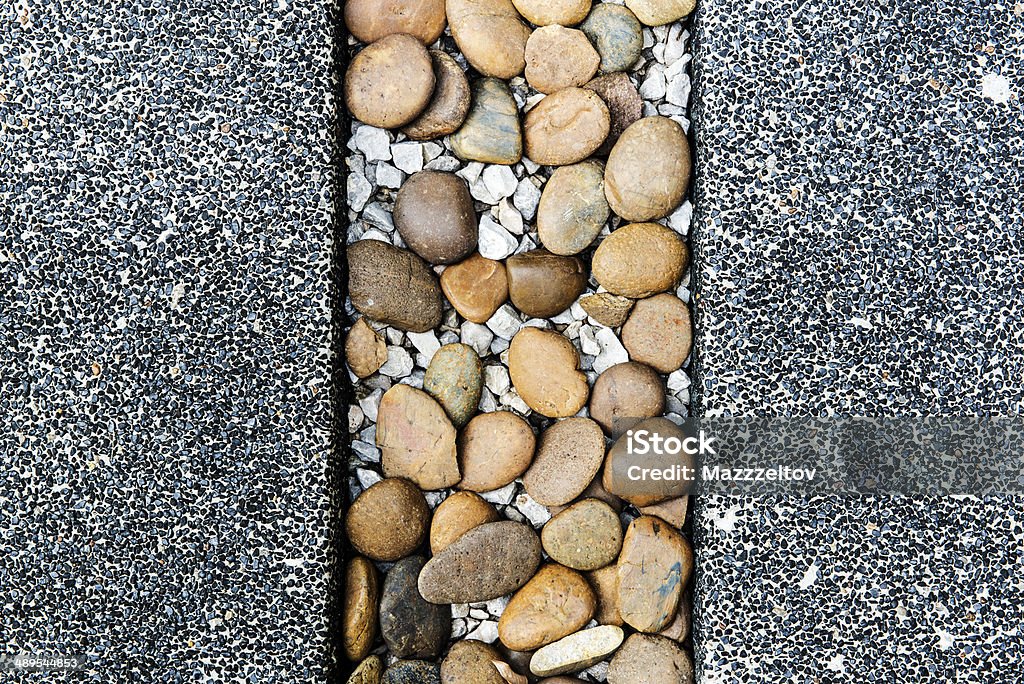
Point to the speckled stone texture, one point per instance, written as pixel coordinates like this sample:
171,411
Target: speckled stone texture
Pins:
856,251
167,471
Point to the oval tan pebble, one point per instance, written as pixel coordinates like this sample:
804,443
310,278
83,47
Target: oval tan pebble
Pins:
491,133
449,103
416,438
476,287
605,583
572,208
454,377
558,57
660,12
566,127
624,395
547,12
607,309
365,349
622,456
490,34
434,215
544,367
648,170
389,520
368,671
456,515
388,83
471,662
554,603
654,566
647,659
494,449
659,332
393,286
542,284
585,536
639,260
568,457
371,20
576,652
362,594
625,106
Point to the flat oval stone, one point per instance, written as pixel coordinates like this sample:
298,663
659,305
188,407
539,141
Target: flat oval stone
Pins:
489,561
640,259
624,395
569,455
617,35
471,662
367,672
359,612
648,170
365,350
585,536
566,127
389,82
625,106
659,332
494,449
412,672
411,626
542,284
607,309
456,515
434,215
448,105
393,286
491,132
476,287
546,12
416,438
649,659
572,208
646,493
455,378
577,651
371,20
605,583
544,367
660,12
554,604
490,34
558,57
654,566
389,520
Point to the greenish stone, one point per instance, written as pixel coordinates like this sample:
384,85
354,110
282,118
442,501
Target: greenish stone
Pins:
491,132
617,35
455,378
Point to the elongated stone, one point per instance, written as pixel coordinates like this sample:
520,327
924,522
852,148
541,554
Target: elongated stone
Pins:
491,132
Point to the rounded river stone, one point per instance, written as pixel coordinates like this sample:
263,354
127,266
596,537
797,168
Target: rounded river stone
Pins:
572,208
617,35
389,520
606,587
476,287
416,438
648,169
388,83
577,651
625,106
490,34
654,566
625,394
456,515
607,308
471,662
489,561
546,12
568,457
448,105
558,57
554,604
367,672
494,449
371,20
362,594
660,12
542,284
412,672
491,132
455,378
640,259
585,536
411,626
566,127
393,286
434,215
649,659
365,350
544,367
649,492
659,332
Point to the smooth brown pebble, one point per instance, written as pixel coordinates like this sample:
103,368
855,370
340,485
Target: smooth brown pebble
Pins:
367,672
544,367
650,659
660,12
625,106
365,349
640,259
456,515
389,82
648,170
370,20
362,594
476,287
389,520
546,12
624,395
393,286
585,536
434,215
494,449
558,57
654,566
471,662
490,34
566,127
449,103
454,377
542,284
622,456
416,438
568,457
606,308
605,583
659,332
554,604
492,132
572,208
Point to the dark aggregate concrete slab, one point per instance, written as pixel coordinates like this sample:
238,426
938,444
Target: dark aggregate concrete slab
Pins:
167,469
857,243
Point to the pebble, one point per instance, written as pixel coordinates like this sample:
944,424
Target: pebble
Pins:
651,492
476,336
501,181
555,603
612,351
536,513
625,106
399,363
371,20
494,449
569,455
653,86
393,286
412,672
639,260
496,379
572,208
509,217
544,367
616,33
374,143
487,562
456,515
495,242
388,521
660,12
566,127
542,284
411,627
558,57
471,662
547,12
367,672
490,34
388,176
425,343
357,190
476,288
416,438
505,322
434,215
607,309
526,198
455,379
408,156
605,583
679,629
625,394
365,350
650,659
378,216
659,332
491,132
577,651
449,103
654,566
585,536
361,595
389,82
648,170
